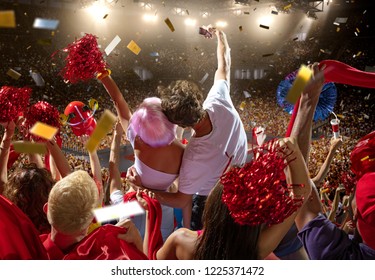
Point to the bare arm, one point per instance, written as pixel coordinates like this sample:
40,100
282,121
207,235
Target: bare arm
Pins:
169,248
175,199
37,159
310,210
114,159
223,57
180,245
323,200
53,168
97,174
121,105
335,203
335,144
144,204
271,236
59,158
309,99
95,169
132,235
4,153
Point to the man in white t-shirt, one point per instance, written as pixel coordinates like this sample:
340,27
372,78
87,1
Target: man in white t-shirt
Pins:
219,139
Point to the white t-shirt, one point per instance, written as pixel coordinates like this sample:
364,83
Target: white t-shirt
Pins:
205,158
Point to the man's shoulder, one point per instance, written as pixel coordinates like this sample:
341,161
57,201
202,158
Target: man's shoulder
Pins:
220,88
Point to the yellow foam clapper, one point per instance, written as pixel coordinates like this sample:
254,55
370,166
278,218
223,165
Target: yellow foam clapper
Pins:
8,19
43,130
29,147
134,47
303,77
103,126
169,23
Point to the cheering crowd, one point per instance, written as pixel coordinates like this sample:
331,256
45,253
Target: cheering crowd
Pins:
303,185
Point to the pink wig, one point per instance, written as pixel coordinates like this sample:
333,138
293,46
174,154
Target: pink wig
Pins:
150,123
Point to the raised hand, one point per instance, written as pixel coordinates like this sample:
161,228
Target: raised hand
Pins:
141,200
336,143
132,234
316,83
133,177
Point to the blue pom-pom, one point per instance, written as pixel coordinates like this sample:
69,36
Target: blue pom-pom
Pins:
327,98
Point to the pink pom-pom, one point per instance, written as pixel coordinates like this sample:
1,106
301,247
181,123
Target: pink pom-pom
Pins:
13,102
83,61
258,193
43,112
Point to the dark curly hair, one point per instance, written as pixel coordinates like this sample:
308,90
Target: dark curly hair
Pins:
222,238
28,188
182,103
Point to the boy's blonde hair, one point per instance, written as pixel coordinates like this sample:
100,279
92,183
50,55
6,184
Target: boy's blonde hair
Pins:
71,203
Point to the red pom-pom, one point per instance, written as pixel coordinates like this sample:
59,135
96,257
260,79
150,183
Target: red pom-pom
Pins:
43,112
258,193
84,60
13,102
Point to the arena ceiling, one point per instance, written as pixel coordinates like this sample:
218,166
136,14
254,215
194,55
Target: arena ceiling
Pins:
289,29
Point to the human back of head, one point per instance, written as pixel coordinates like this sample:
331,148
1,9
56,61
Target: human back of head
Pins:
150,123
222,237
182,103
71,203
28,188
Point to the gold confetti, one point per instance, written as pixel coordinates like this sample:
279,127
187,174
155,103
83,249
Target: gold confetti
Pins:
366,157
134,47
13,74
169,23
287,7
242,105
8,19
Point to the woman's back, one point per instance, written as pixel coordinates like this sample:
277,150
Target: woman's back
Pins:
165,159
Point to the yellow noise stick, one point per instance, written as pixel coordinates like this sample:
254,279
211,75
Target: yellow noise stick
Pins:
303,77
104,125
29,147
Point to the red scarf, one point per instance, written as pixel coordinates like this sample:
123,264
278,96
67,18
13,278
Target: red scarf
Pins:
341,73
103,244
155,240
